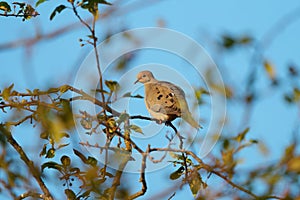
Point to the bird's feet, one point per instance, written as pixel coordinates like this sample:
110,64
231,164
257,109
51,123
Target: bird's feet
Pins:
169,123
158,121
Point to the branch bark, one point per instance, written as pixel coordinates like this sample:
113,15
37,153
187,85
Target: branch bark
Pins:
33,170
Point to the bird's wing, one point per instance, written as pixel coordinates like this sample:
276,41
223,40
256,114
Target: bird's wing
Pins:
165,97
180,103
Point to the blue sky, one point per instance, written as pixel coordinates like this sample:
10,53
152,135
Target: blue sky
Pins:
54,62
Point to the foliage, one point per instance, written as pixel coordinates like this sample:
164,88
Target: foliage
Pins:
23,10
49,113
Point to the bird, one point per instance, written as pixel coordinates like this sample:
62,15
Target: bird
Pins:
165,101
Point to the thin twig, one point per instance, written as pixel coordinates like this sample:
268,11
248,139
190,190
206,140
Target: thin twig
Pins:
17,123
8,188
85,96
184,157
19,15
168,123
142,176
33,170
126,158
209,169
79,17
172,196
30,194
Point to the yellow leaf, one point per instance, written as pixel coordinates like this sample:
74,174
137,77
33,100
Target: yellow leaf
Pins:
241,135
294,165
196,182
296,94
269,67
6,92
64,88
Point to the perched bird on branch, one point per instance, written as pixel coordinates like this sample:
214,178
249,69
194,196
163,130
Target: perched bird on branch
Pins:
164,100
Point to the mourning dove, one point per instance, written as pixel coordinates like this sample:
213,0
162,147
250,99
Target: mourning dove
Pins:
164,100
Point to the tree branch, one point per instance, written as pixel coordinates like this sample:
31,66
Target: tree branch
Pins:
30,194
33,170
8,188
142,176
19,15
208,168
85,96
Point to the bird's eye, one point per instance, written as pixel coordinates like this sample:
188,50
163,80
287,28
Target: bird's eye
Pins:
144,75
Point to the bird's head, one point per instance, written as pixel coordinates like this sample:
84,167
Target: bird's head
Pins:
144,77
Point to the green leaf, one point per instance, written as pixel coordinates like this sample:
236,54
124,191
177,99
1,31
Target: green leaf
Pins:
253,141
84,195
39,2
296,94
28,12
29,91
103,2
5,6
195,182
6,92
226,143
92,161
53,90
36,92
81,156
123,117
228,42
70,194
109,175
176,156
75,170
51,165
44,135
175,175
65,161
19,4
289,98
100,91
64,134
58,9
242,135
136,128
128,94
288,153
44,150
50,153
199,93
90,4
245,40
66,115
112,85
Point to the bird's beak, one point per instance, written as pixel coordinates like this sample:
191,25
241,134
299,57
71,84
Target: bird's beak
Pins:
136,81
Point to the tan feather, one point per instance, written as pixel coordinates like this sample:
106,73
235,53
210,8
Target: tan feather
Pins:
164,100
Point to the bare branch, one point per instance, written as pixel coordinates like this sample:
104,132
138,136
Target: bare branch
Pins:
30,194
33,170
19,15
8,188
142,176
17,123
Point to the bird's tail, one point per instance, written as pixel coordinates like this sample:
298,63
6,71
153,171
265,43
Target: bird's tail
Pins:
189,119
